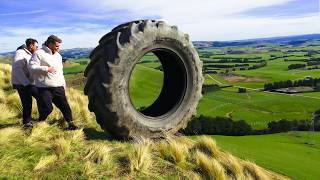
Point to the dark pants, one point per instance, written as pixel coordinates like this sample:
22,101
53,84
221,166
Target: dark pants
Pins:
57,96
26,93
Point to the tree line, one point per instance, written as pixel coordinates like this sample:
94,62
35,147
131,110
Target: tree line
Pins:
205,125
311,82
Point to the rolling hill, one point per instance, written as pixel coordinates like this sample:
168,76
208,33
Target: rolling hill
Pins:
47,151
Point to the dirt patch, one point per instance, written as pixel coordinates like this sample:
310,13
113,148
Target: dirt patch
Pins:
237,78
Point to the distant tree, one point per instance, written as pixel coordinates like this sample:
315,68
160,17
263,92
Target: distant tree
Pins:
242,90
281,126
296,66
193,127
241,128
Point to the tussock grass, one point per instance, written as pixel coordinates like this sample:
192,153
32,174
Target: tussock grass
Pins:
232,165
140,159
3,96
76,136
5,75
45,162
11,134
99,153
40,134
61,147
6,113
253,171
173,151
210,167
13,101
208,146
79,106
88,169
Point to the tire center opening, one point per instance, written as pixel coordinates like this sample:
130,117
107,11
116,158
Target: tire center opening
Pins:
157,83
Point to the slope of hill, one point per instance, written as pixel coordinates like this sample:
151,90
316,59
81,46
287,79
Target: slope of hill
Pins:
147,83
48,152
295,154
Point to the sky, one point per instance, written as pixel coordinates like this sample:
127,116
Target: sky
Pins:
81,23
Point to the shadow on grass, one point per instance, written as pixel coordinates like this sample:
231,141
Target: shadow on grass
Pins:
2,126
93,134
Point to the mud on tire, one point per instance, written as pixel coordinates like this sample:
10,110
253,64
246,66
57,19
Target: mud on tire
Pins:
109,70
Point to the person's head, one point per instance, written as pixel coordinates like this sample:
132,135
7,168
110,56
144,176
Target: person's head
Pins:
32,45
53,43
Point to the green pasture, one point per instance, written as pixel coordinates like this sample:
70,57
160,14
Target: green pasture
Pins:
78,68
145,85
257,108
276,70
294,154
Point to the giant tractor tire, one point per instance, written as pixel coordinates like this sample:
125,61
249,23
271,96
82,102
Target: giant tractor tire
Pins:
109,70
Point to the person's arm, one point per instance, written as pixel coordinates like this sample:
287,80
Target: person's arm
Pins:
35,65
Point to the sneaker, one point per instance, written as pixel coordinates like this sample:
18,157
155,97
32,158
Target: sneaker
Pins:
71,126
27,125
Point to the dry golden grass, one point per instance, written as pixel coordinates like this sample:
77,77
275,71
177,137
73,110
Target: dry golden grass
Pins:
13,101
6,113
10,134
173,151
5,75
76,136
251,170
235,79
208,146
79,105
61,146
210,167
88,169
40,134
45,162
3,96
140,159
232,165
99,153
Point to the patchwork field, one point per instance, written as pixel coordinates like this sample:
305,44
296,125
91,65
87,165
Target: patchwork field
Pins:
257,108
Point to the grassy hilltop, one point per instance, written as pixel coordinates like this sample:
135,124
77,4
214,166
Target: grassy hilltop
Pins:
48,152
53,152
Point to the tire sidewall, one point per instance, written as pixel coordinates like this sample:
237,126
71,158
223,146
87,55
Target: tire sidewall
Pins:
180,113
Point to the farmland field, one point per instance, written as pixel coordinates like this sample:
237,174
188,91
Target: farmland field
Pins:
295,154
257,108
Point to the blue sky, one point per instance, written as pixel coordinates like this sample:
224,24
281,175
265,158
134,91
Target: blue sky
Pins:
82,23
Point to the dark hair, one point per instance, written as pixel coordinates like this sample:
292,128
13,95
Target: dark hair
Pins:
30,41
22,47
52,39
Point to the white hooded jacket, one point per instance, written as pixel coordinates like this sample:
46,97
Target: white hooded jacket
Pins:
39,63
20,74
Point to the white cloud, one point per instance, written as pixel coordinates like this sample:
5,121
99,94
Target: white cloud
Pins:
247,27
82,35
212,19
202,19
22,13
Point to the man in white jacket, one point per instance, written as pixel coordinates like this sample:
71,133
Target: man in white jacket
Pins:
22,81
47,69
